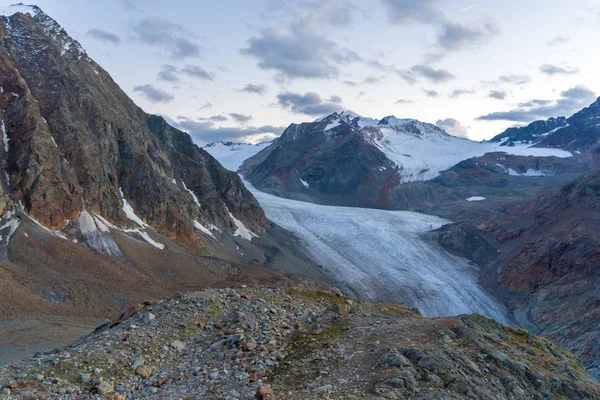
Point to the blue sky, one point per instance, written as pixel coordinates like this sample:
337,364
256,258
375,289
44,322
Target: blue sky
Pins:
244,70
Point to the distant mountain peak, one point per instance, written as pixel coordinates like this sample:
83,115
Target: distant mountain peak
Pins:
12,9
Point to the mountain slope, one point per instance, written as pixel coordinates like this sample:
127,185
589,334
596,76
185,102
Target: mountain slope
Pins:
311,344
75,141
541,258
102,204
345,159
578,133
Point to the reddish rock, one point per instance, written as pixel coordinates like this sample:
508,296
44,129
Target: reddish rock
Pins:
265,393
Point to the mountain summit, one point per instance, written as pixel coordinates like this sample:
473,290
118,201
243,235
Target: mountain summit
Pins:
74,142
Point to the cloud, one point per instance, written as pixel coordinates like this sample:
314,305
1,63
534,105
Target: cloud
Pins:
168,73
535,102
172,37
453,127
240,118
558,40
198,72
214,118
335,99
298,52
456,93
497,94
404,101
255,89
550,69
205,106
431,93
425,71
403,11
155,95
514,79
451,36
337,13
454,37
569,102
206,132
309,103
101,34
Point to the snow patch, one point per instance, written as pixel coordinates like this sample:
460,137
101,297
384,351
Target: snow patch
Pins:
13,224
199,226
18,8
232,155
146,237
5,137
476,198
97,234
193,195
304,183
130,213
332,125
241,230
554,130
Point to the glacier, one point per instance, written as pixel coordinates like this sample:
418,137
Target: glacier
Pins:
379,255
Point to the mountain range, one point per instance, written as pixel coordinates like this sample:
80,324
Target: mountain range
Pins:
104,207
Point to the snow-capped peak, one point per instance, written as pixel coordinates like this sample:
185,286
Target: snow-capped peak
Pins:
19,8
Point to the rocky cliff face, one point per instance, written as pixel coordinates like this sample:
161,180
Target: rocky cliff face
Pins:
102,204
299,344
73,141
542,259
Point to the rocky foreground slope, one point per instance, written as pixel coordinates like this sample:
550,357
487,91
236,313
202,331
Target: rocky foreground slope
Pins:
541,258
298,343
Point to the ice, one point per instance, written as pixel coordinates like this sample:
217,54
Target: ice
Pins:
380,256
199,226
476,198
130,213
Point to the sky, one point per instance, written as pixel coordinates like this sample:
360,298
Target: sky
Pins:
242,71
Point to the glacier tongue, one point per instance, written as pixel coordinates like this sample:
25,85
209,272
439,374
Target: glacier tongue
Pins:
379,255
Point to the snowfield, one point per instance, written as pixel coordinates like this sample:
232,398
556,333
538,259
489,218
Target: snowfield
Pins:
233,155
380,256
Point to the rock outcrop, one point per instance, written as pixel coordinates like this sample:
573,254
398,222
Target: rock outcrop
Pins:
299,343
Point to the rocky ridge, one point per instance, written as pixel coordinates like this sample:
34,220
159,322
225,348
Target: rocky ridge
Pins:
579,133
298,343
345,159
74,143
